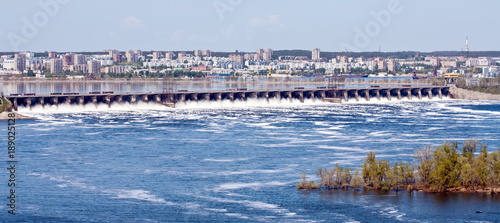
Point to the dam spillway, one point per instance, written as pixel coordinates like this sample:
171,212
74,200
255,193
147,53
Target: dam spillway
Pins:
374,93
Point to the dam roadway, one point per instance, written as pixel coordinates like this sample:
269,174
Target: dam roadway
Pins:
182,96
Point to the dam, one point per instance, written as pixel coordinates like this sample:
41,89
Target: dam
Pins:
172,98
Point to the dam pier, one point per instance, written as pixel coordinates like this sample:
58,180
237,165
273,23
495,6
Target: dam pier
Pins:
170,99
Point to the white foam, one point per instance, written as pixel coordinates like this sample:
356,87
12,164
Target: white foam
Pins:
235,186
352,149
73,108
251,204
245,172
117,193
216,210
469,111
136,194
249,102
225,160
237,215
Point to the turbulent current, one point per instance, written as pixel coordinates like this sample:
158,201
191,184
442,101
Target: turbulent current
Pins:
235,162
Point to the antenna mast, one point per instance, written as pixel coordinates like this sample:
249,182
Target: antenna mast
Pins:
466,47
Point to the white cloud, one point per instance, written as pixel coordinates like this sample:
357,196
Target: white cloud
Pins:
132,22
270,20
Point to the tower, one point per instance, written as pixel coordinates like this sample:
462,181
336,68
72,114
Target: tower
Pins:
466,47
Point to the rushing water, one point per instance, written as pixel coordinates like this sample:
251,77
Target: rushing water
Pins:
238,163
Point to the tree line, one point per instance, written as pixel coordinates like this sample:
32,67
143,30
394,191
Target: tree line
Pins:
445,168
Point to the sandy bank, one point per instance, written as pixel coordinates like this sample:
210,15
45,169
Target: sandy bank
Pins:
5,116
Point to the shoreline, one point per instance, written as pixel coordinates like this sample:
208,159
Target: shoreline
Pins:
4,116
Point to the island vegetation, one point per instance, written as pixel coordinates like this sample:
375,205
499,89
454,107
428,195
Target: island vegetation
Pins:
441,169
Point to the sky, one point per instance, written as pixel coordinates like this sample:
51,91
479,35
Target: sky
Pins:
248,25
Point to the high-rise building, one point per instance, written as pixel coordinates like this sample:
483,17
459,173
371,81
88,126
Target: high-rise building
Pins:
392,65
181,55
20,62
169,55
52,55
267,56
342,59
94,67
117,58
79,59
236,58
207,53
316,54
157,55
198,53
68,59
56,66
132,56
382,65
269,51
113,52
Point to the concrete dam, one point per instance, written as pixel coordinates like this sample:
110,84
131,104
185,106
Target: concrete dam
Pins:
170,99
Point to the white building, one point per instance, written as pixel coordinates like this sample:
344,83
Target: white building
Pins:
316,54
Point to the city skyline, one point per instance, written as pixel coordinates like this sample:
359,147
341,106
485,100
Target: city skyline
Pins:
228,25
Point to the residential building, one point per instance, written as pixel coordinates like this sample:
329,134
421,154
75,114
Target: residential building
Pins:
132,56
197,53
20,62
316,54
181,55
237,58
433,61
78,68
207,53
117,58
94,67
67,59
56,66
392,65
382,65
449,63
267,56
52,55
169,55
79,59
157,55
484,61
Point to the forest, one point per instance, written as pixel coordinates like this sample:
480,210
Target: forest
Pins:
446,168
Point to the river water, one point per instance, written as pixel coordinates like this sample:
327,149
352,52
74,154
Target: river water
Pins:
235,162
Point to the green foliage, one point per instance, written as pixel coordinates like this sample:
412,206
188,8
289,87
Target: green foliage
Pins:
439,169
304,184
447,168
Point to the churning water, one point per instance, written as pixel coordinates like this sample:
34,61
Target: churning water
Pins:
235,162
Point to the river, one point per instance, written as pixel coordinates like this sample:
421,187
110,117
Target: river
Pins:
238,162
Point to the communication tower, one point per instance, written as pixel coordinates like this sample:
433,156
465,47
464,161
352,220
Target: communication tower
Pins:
466,47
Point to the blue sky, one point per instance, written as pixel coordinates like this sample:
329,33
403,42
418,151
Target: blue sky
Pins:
247,25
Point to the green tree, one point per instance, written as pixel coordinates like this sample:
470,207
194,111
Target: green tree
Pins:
447,168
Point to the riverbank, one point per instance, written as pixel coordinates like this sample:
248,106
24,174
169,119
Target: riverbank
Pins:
5,116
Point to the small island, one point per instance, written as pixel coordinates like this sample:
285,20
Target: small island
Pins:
441,169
